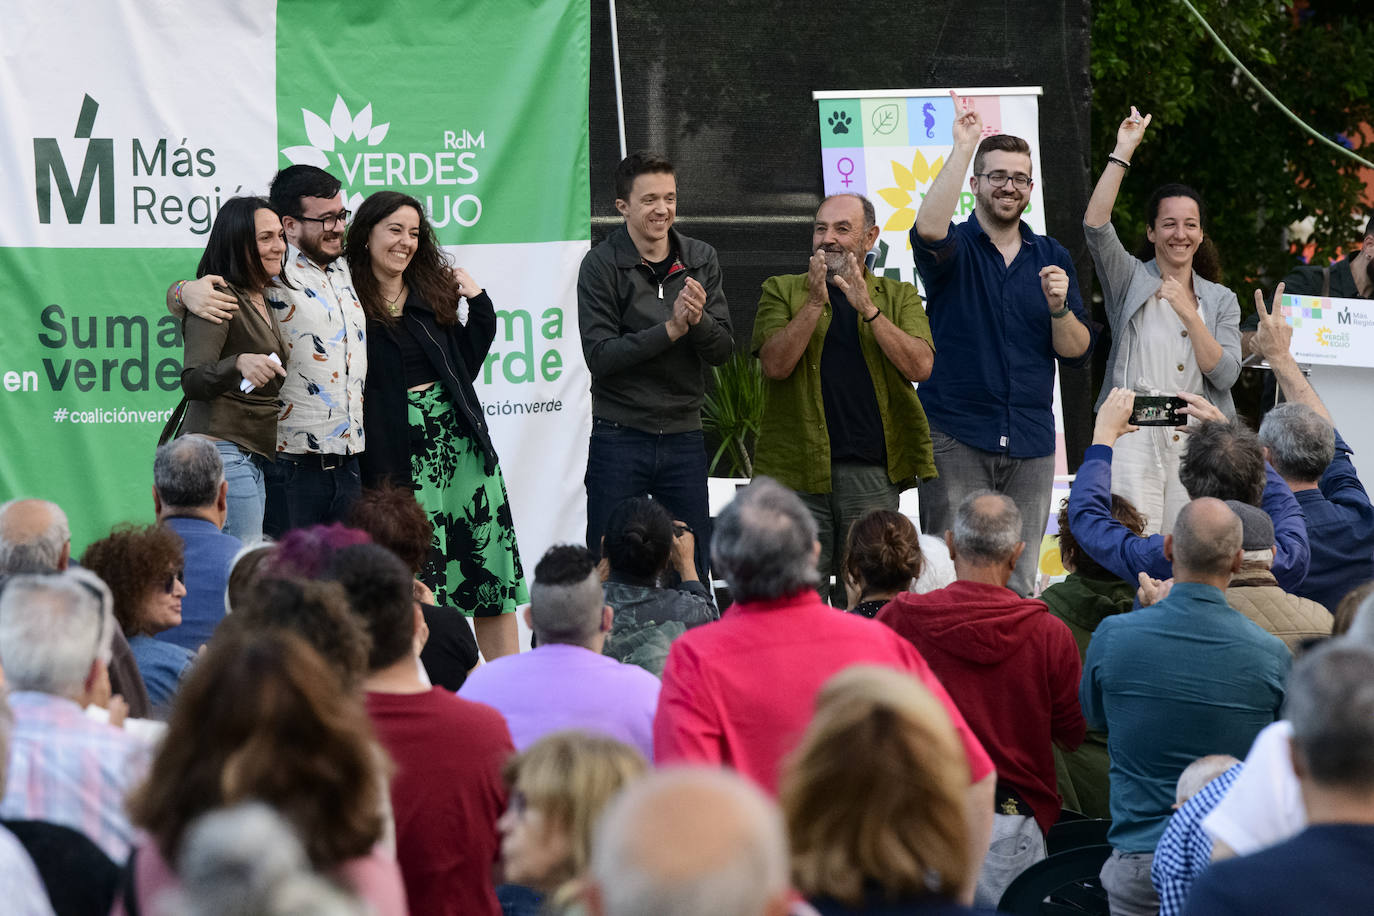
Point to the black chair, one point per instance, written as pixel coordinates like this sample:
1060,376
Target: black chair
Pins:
1062,885
1067,835
80,879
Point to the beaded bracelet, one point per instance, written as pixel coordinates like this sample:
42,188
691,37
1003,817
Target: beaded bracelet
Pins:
176,294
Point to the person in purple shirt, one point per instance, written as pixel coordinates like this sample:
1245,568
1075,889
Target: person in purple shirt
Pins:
1004,306
1223,460
1309,454
191,498
566,682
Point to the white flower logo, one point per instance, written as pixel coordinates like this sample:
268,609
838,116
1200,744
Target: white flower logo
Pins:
341,126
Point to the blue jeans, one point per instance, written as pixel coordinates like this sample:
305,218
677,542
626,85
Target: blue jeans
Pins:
670,467
305,490
247,493
964,470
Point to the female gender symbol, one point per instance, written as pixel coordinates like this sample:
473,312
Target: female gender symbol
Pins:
839,167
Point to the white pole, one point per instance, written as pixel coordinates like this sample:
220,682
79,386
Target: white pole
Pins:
619,95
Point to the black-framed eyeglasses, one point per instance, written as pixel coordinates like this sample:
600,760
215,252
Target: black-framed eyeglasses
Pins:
1000,179
329,220
175,576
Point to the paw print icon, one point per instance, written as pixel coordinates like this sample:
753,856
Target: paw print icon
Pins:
839,122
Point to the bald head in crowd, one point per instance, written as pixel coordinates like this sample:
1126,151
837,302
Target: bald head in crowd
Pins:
985,542
567,604
1206,543
690,842
34,537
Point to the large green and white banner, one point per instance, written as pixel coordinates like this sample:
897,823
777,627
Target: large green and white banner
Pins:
125,125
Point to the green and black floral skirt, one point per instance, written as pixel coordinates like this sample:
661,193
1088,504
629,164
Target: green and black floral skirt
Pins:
475,562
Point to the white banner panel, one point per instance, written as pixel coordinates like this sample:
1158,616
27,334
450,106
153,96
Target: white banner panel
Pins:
1332,332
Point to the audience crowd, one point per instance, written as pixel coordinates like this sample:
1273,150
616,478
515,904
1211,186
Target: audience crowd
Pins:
195,719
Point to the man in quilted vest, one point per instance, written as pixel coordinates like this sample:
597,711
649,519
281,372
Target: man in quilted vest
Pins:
1256,594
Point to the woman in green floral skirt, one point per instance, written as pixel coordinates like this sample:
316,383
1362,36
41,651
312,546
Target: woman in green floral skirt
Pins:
423,421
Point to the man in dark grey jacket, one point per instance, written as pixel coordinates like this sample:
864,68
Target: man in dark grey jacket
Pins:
653,318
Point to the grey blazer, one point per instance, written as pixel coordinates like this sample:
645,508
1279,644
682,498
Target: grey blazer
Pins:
1128,283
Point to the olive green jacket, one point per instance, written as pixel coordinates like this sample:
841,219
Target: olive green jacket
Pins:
794,442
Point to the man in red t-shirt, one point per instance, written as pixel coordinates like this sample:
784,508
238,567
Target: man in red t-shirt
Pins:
1013,670
740,691
447,752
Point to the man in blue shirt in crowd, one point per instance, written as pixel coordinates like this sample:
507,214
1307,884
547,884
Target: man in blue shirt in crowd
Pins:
190,496
1223,460
1004,306
1185,677
1312,458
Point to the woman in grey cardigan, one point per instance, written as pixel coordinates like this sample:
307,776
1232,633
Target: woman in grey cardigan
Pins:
1174,328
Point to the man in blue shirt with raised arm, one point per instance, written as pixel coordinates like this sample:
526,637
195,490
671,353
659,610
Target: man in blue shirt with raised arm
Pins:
1004,306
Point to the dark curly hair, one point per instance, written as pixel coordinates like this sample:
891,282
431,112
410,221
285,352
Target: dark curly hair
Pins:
318,612
261,717
884,551
1070,553
427,274
135,560
392,517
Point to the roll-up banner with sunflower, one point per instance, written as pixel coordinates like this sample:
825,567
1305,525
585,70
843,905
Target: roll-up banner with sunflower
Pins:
123,128
889,144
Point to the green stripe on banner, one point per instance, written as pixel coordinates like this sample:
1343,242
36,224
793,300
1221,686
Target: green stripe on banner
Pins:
89,368
477,109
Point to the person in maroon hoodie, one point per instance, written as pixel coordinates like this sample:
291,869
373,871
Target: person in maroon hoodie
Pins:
1012,669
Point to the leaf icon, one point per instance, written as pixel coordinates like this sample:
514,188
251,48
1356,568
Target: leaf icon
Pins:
340,121
885,118
362,124
378,134
306,155
318,132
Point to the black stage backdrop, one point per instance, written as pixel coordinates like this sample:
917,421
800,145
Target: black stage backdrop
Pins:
723,88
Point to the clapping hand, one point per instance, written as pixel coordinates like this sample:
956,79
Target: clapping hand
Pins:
1179,297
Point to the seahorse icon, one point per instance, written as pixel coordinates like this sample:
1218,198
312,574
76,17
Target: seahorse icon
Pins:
928,109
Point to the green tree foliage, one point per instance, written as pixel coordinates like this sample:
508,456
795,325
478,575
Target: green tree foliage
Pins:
1214,130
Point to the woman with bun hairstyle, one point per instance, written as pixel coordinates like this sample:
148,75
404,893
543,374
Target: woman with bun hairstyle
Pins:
881,561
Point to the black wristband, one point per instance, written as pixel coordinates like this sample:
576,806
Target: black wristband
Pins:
1119,161
873,318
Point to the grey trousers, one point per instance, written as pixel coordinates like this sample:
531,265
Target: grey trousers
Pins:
854,489
1016,845
1126,878
964,470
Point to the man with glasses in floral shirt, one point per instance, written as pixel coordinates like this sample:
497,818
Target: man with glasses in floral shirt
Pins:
315,478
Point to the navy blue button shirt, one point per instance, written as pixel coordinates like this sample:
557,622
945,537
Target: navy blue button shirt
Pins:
992,386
